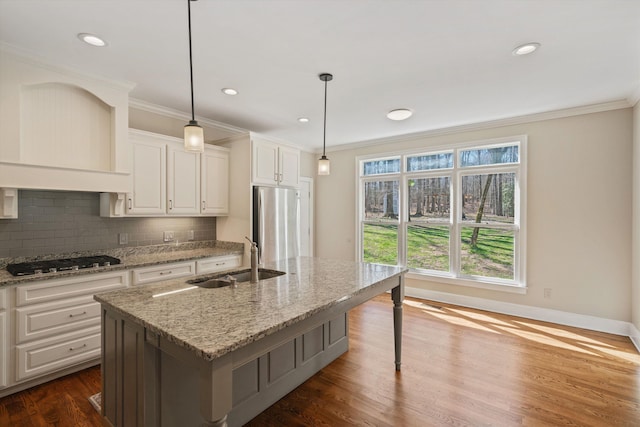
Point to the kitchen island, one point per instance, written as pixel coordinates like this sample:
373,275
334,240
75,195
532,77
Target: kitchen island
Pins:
177,354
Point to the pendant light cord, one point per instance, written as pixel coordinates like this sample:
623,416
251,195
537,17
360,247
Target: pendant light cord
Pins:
193,114
324,134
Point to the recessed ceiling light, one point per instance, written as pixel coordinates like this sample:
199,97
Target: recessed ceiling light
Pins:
92,39
526,49
399,114
229,91
303,120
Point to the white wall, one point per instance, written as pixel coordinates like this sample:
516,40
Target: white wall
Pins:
579,211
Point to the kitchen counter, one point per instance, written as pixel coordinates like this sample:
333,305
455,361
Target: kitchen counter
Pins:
204,335
130,257
213,322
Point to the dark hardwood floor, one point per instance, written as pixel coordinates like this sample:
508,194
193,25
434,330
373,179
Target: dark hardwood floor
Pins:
461,367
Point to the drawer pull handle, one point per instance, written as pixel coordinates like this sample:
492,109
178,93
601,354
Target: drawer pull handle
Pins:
77,348
162,273
78,314
221,263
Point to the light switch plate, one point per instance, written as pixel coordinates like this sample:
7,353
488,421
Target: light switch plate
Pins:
168,236
190,235
123,238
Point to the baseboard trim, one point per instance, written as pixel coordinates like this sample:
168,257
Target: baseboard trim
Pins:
593,323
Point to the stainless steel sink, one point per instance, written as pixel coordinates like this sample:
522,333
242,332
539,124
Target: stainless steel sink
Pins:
263,273
227,279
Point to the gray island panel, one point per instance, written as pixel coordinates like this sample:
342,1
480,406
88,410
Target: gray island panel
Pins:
228,353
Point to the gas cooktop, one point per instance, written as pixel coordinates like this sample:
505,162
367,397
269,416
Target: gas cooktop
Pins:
63,264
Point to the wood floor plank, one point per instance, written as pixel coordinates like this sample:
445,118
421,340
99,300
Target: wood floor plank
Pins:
461,367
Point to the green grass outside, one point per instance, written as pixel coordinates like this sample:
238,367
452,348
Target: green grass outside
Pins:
428,248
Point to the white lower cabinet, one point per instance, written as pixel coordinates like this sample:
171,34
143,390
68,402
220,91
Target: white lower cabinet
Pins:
56,322
56,326
156,273
4,338
51,354
213,265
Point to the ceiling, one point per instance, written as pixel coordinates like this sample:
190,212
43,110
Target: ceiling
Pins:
450,61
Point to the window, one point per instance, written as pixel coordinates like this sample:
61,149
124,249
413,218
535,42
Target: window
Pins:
455,214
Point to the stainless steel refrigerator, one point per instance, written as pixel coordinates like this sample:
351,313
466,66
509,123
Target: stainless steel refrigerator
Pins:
276,223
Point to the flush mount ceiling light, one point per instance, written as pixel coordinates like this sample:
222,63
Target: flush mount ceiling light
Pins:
526,49
399,114
92,39
229,91
303,120
193,132
324,166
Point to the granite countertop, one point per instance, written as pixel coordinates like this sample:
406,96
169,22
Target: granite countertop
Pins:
214,322
131,257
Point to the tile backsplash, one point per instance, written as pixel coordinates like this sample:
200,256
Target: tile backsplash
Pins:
69,221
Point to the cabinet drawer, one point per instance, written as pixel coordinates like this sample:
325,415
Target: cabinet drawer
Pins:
157,273
87,284
211,265
52,354
44,320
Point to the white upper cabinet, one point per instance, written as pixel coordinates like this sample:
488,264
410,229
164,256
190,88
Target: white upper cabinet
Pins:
167,180
289,166
149,176
215,181
183,181
275,164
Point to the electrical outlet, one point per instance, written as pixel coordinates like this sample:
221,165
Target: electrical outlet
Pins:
190,235
123,238
547,292
168,236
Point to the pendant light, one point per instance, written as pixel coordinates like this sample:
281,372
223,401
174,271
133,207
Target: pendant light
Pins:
193,132
324,166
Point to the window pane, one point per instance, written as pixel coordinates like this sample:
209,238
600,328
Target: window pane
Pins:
381,200
429,162
487,252
376,167
488,198
428,247
380,243
489,156
429,199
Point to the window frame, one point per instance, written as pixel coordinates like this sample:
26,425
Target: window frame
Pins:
455,223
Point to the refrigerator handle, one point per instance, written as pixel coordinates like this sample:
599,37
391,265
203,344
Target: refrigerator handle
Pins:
259,236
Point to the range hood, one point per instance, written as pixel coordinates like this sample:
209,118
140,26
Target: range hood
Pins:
61,130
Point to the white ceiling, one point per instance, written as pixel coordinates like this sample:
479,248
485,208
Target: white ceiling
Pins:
449,61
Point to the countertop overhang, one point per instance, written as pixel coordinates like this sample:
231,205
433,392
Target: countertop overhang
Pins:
214,322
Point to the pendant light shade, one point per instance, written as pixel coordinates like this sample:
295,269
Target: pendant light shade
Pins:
324,165
193,132
193,137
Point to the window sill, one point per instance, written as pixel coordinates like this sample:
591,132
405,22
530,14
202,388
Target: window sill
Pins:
510,288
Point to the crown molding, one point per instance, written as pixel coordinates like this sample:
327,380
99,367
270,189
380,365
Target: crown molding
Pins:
181,115
30,58
529,118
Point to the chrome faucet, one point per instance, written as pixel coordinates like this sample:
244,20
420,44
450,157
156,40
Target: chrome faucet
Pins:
254,261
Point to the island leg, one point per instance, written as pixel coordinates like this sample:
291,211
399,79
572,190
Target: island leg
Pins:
215,391
397,294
